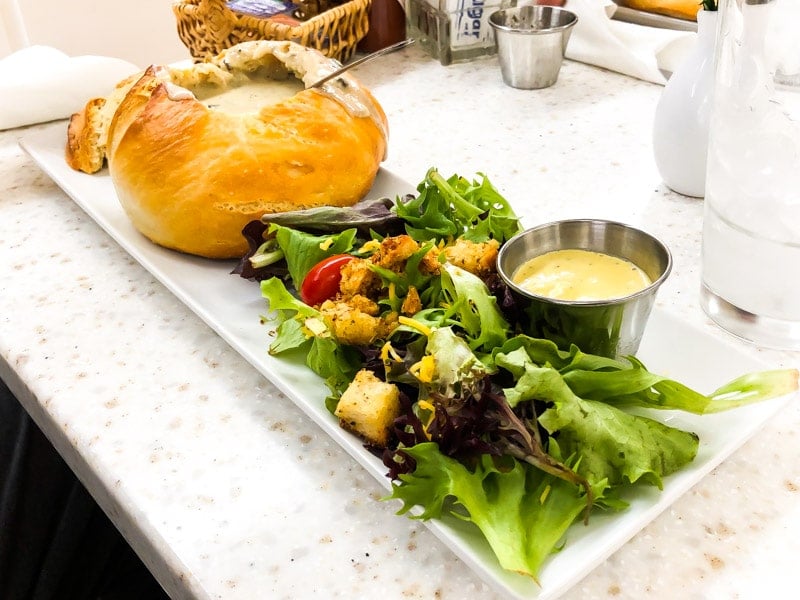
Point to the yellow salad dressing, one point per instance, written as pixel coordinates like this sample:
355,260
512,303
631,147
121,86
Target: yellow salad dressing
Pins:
580,275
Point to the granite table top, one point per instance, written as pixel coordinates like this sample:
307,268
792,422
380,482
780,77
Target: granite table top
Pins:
227,490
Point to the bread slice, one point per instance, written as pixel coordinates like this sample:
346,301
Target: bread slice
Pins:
87,133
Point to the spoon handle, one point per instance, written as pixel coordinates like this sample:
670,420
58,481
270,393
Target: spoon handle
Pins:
363,59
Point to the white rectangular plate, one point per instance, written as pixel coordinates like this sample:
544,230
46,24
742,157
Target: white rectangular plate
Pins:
232,307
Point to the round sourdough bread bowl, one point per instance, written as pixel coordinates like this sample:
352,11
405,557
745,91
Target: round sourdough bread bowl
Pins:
197,152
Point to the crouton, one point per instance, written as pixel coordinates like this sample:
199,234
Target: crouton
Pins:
368,407
412,303
358,279
430,264
479,258
351,325
394,252
364,304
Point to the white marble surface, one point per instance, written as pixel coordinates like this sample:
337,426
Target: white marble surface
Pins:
228,491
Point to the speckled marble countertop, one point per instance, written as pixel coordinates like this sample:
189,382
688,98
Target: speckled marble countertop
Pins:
228,491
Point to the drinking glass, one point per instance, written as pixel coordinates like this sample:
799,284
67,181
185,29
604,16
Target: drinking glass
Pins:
751,222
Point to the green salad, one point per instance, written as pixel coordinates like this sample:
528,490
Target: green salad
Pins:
398,307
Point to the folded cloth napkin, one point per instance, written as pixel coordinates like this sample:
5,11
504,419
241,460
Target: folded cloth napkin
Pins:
40,83
636,50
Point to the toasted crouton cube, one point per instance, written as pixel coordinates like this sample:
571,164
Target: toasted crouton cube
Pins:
430,263
368,407
358,279
352,323
394,252
364,304
479,258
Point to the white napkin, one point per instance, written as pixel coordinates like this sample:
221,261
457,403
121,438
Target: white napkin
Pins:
40,83
635,50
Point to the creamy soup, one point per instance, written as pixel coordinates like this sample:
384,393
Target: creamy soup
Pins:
580,275
249,96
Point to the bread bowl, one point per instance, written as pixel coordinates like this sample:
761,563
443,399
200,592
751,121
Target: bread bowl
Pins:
196,152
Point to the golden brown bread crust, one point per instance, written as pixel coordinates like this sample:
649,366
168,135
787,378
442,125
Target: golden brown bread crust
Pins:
83,151
682,9
190,177
87,133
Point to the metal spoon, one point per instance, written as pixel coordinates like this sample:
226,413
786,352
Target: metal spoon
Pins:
363,59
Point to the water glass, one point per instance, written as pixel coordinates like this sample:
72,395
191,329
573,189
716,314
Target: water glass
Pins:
751,223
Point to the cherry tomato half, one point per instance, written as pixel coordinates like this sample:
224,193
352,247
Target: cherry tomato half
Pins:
322,281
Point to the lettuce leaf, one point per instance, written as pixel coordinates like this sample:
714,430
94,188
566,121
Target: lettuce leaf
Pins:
628,383
753,387
335,363
458,370
366,215
611,444
498,220
445,209
284,302
522,511
474,309
304,250
618,446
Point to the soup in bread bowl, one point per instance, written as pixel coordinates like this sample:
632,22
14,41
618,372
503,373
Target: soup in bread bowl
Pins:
196,152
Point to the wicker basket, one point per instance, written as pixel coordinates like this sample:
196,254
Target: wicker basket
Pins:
207,27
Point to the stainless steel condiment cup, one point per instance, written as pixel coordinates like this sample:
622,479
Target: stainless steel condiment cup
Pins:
611,328
531,42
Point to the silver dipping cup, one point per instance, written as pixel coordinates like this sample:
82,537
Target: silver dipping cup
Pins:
531,41
611,328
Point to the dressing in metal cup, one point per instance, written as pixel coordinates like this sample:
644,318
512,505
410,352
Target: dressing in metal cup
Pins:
611,328
531,41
